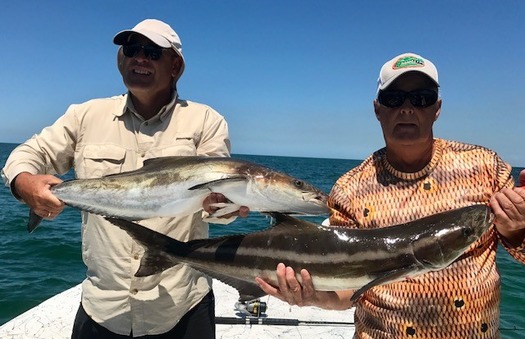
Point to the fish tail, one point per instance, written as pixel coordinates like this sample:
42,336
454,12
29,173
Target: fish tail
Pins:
34,221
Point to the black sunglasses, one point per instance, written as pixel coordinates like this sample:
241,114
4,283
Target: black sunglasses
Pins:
419,98
150,51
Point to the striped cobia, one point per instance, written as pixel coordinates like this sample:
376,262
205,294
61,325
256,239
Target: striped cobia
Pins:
337,258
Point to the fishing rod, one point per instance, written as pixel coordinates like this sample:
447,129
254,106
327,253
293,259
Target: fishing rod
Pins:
253,313
278,322
297,322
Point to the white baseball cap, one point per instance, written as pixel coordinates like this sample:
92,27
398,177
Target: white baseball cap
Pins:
158,32
406,62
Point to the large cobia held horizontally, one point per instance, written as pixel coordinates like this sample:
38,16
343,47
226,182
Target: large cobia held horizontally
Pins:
337,258
177,186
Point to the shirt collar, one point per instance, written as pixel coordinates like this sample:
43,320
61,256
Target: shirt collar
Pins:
161,115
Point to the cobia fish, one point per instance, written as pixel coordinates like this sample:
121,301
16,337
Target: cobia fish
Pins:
337,258
177,186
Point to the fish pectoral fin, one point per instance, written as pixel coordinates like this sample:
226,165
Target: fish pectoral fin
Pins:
250,292
223,209
210,184
388,277
247,290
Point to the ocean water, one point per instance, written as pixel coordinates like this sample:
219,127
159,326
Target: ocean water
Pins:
34,267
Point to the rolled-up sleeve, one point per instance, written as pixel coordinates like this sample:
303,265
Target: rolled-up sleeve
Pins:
215,139
49,152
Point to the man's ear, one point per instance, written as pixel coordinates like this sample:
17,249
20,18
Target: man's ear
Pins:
120,57
177,64
438,111
376,108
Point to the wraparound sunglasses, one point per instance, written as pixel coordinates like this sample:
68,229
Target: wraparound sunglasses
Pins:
419,98
150,51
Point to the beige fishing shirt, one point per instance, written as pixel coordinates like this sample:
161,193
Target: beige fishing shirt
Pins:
105,136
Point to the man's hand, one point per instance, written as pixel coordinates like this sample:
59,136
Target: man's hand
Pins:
33,189
215,198
508,206
303,293
289,289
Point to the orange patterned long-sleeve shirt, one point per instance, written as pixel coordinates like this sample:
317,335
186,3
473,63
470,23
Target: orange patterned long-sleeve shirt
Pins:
460,301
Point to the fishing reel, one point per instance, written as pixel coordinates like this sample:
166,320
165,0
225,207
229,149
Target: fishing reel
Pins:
252,308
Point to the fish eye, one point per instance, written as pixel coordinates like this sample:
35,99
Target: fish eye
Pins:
298,183
468,231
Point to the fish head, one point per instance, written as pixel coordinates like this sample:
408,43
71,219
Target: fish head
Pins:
291,195
451,236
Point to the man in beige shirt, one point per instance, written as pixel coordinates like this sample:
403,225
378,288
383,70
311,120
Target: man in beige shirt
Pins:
116,134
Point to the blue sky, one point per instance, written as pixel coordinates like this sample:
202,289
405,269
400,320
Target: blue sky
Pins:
293,78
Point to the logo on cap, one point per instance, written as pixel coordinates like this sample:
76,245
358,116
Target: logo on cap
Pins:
408,61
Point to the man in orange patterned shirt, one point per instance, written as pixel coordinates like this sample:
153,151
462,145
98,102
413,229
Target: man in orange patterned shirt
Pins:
417,175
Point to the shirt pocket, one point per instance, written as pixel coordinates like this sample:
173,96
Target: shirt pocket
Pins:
101,160
180,146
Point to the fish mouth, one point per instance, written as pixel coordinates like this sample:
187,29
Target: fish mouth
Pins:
319,200
316,198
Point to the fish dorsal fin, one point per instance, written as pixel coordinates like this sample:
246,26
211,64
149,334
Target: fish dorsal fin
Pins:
210,184
286,223
155,161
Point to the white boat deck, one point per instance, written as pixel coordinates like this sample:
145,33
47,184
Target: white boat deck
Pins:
53,319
